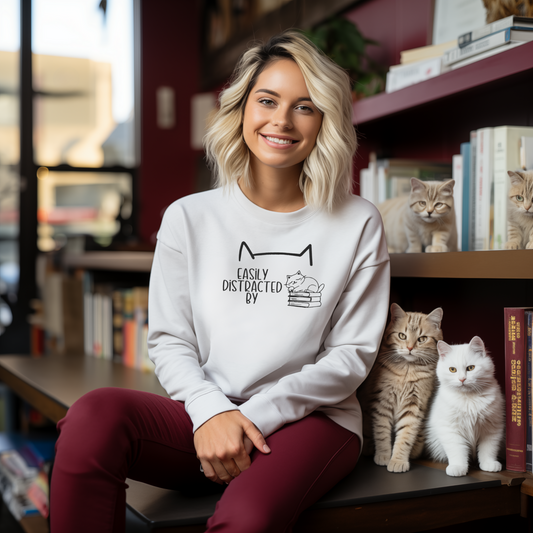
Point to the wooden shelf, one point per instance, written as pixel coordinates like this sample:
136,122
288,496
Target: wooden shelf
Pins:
125,261
504,67
493,264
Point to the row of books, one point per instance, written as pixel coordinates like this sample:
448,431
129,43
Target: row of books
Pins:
481,181
427,62
24,475
518,388
116,324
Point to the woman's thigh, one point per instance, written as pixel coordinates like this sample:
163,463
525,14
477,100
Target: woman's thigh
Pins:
308,458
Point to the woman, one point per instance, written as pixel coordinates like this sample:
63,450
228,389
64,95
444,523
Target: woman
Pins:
268,300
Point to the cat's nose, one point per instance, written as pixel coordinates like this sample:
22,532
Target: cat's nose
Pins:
462,380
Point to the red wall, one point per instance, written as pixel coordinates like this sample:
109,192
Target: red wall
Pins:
170,57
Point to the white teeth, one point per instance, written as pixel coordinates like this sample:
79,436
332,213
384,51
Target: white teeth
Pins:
279,141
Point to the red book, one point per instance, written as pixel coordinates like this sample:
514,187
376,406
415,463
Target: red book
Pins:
515,388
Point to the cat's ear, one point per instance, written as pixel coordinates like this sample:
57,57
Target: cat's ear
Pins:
435,317
396,312
417,185
447,188
517,179
299,273
443,348
477,345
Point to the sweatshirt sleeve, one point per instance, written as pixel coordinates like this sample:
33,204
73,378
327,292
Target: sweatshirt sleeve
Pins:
172,343
348,353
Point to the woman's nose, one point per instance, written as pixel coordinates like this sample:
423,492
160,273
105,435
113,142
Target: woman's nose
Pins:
282,118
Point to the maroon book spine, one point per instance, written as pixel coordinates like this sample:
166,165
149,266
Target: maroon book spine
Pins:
515,389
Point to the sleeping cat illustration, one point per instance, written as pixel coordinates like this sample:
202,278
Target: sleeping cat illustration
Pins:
300,283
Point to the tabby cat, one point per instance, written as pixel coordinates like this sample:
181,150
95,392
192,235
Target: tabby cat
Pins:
396,394
467,417
424,219
520,211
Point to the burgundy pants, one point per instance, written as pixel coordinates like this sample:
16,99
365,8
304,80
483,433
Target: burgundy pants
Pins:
110,434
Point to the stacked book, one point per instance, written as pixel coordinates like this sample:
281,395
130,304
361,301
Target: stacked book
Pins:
305,299
427,62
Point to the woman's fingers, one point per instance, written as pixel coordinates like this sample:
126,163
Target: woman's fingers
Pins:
256,437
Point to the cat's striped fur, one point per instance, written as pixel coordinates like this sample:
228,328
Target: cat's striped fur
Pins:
395,397
520,211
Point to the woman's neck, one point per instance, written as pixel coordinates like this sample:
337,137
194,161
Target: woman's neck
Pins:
275,189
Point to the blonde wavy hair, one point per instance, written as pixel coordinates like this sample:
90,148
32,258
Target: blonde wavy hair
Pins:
326,176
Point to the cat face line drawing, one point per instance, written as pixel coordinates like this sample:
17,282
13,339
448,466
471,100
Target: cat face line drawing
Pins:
307,250
300,283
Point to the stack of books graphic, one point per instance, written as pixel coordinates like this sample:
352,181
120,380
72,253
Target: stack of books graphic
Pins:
305,299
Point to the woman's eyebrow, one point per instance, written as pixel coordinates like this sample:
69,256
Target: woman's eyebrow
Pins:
274,93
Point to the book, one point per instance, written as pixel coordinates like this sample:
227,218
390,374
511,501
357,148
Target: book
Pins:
465,219
515,388
457,174
304,304
529,351
507,140
484,55
484,161
508,22
472,205
401,76
495,40
526,153
425,52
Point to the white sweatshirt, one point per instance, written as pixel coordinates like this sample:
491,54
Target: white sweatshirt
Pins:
275,314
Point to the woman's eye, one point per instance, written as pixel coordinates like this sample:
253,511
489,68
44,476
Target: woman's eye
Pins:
422,339
402,336
453,370
305,108
423,204
266,101
470,368
520,198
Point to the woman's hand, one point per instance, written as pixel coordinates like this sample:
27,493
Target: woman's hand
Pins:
224,443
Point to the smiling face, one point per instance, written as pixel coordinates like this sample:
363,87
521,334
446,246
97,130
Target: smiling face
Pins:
280,123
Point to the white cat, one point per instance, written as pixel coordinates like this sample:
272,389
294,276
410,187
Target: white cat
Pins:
467,417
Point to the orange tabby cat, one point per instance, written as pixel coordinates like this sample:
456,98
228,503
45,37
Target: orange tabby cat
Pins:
520,211
425,219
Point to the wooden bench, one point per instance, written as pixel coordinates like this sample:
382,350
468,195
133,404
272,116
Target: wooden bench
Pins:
369,499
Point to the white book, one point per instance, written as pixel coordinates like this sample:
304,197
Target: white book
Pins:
382,184
365,189
373,179
526,153
88,321
487,43
472,206
401,76
457,174
484,55
498,25
484,161
507,141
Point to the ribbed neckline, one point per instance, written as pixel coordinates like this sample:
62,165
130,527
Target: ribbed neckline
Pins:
270,217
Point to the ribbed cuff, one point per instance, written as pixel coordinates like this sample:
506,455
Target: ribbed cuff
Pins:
263,414
208,405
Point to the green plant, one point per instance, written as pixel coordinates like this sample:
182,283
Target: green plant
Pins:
342,41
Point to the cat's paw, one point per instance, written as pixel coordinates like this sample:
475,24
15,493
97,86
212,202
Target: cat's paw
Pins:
457,470
529,245
398,466
414,250
512,245
490,466
381,460
437,248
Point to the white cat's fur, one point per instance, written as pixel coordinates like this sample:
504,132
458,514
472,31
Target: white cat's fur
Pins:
467,417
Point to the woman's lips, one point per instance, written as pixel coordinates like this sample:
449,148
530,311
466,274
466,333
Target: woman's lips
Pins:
279,145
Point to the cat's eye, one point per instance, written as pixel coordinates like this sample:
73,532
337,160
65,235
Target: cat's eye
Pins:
439,205
422,203
402,336
422,339
519,198
470,368
453,370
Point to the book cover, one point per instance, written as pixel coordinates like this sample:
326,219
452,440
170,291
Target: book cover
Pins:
529,351
507,140
512,21
401,76
425,52
515,388
484,161
457,165
464,228
472,216
494,40
526,153
293,303
128,329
